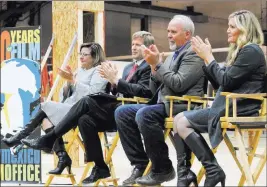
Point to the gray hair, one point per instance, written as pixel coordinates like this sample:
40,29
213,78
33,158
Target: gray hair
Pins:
186,22
147,37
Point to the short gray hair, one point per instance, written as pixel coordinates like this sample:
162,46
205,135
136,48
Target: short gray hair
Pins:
147,37
187,23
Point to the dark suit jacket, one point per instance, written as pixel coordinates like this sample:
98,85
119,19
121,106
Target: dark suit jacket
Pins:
138,85
246,75
183,76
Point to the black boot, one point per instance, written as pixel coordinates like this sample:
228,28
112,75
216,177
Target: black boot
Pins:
185,175
64,161
70,121
45,142
63,158
214,173
30,127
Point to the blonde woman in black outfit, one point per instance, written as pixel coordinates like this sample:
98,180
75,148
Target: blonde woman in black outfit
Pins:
244,73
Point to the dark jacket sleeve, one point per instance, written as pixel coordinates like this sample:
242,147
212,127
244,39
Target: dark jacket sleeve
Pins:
139,89
213,82
153,84
188,74
247,61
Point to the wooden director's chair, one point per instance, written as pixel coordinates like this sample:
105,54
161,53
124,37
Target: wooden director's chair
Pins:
109,149
254,126
75,136
169,120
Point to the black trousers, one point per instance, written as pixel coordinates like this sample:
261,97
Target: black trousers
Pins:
92,115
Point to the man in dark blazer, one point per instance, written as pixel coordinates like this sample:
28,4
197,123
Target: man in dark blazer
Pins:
180,74
95,113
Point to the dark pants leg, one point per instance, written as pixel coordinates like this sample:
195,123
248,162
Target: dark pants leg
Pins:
130,135
83,106
102,119
150,120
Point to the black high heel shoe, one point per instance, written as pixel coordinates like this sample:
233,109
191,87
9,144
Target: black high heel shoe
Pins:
214,173
188,180
64,161
213,181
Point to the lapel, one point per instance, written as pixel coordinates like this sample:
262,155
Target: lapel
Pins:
127,71
177,61
138,69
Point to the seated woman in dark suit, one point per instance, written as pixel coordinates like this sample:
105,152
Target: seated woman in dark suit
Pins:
244,73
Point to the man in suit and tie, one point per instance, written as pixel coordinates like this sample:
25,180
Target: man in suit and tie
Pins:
95,113
180,74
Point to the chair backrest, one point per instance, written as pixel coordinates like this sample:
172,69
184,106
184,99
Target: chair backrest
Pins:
205,86
265,84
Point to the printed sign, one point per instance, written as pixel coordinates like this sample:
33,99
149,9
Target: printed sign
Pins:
20,55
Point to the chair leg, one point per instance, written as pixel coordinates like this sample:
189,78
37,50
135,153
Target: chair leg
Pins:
73,181
49,180
260,166
80,142
253,143
85,171
109,149
74,136
243,157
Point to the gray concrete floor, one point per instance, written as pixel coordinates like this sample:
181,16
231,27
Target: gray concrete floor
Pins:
123,168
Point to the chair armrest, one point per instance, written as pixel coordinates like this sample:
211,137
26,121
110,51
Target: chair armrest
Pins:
235,96
175,98
122,99
208,98
225,93
191,97
141,99
195,99
257,96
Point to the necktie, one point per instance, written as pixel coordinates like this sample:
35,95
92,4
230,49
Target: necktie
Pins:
176,53
132,72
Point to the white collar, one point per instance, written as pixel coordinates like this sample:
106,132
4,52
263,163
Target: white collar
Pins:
139,62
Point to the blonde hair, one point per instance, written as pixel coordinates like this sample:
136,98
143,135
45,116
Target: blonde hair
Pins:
147,37
96,52
250,32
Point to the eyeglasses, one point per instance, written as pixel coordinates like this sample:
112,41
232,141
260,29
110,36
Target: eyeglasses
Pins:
83,54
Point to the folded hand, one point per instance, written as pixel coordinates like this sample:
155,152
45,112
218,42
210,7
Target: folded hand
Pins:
203,49
108,71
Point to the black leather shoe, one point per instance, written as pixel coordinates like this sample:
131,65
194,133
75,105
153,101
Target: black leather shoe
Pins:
97,173
152,178
136,173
